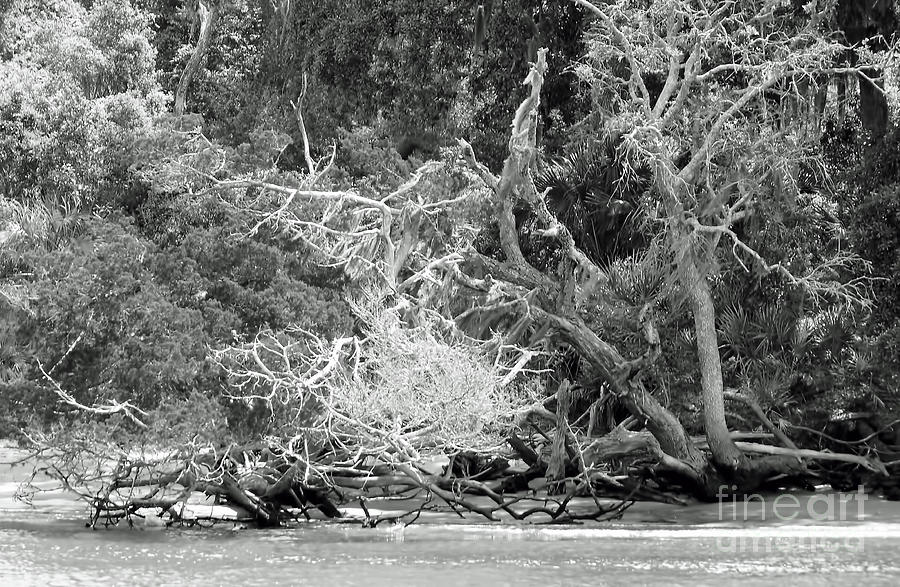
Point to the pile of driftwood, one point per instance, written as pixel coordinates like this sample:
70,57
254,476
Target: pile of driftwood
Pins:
554,475
269,487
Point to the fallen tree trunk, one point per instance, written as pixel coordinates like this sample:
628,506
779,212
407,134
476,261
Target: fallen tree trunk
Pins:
636,445
871,464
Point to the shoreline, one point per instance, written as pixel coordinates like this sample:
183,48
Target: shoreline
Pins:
824,507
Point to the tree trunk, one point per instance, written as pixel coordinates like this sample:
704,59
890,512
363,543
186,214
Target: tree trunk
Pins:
725,453
841,88
869,22
609,365
208,16
873,106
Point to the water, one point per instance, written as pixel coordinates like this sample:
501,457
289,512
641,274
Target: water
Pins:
54,550
654,544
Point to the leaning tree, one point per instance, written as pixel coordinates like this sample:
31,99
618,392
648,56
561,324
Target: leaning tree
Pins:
724,137
719,150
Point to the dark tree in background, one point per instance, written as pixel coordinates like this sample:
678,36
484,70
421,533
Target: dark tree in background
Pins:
872,23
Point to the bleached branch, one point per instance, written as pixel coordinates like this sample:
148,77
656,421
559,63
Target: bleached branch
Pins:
114,407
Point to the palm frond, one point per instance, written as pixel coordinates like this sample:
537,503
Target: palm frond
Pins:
588,192
733,324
